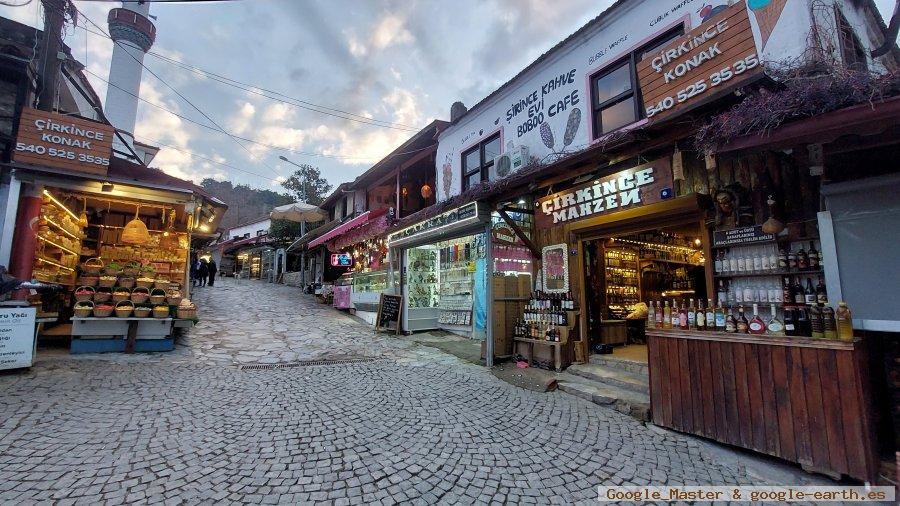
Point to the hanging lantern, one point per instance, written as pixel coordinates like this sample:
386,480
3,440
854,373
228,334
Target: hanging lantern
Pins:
135,232
427,191
82,218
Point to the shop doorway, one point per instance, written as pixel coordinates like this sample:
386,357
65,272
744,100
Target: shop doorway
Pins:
625,271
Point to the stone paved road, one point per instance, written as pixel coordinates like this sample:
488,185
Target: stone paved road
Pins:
412,426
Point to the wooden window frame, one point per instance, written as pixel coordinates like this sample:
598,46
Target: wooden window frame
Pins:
483,166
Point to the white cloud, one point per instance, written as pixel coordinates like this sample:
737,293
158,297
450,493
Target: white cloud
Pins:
390,30
356,47
240,122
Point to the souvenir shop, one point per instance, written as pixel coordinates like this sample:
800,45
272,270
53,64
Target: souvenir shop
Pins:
443,265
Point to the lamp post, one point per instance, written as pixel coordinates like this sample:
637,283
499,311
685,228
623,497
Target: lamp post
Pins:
302,223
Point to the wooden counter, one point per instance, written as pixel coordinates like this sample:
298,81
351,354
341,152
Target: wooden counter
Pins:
803,400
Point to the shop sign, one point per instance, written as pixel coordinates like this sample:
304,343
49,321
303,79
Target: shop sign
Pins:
503,234
740,236
63,142
635,187
458,216
719,52
341,260
17,337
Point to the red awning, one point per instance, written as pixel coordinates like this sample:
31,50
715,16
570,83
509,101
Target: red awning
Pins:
344,227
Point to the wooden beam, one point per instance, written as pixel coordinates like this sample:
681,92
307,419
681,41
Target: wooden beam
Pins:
518,231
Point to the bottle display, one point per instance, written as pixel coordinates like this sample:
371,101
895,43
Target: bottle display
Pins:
829,324
756,324
844,322
710,315
720,318
731,323
743,325
815,322
700,316
774,326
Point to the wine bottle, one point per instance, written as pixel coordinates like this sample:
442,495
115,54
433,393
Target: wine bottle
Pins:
710,315
756,324
803,327
692,316
743,326
651,316
797,289
659,315
813,255
667,317
700,316
790,317
802,259
809,296
821,292
683,317
719,318
774,327
730,323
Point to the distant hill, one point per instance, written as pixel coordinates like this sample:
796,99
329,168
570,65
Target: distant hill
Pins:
244,203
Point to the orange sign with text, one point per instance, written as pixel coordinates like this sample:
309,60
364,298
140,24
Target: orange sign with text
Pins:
64,142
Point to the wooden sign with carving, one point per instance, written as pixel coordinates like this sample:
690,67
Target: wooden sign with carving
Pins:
71,143
714,56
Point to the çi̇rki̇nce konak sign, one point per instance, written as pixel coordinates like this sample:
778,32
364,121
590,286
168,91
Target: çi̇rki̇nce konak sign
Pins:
638,186
64,142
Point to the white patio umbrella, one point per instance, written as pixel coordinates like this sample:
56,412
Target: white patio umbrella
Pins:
300,212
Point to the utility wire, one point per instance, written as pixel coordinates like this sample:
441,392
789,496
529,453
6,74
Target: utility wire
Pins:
279,97
167,85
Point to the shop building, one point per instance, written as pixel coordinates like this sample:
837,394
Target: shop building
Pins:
246,251
637,195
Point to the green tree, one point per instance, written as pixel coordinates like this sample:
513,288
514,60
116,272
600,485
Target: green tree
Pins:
307,185
284,232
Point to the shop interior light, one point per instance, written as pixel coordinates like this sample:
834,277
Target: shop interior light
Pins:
60,227
60,204
107,187
697,241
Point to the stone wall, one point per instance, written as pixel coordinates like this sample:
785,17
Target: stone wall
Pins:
293,278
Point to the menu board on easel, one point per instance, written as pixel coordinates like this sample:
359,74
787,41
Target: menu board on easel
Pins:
17,337
389,307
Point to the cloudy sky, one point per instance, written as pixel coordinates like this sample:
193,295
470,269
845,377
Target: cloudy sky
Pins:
401,63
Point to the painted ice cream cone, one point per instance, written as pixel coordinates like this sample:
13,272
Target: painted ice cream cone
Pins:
767,13
447,180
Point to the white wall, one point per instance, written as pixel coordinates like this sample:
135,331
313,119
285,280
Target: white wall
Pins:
620,33
249,228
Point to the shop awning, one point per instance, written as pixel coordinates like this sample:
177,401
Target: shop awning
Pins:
360,220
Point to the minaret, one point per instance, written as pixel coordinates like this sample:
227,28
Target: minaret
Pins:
134,33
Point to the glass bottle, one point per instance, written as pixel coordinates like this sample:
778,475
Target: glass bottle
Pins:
721,294
802,259
782,260
813,255
738,292
756,324
774,326
700,316
676,318
815,322
692,316
821,292
732,261
809,295
773,258
743,326
791,260
765,266
741,262
710,315
844,322
787,293
790,327
797,289
683,317
667,316
763,291
774,292
829,325
757,261
659,315
718,263
651,316
749,292
730,323
802,322
719,318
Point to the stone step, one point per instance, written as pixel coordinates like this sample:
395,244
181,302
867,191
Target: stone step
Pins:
624,401
623,364
611,376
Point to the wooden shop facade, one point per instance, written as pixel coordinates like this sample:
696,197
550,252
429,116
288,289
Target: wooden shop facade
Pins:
718,256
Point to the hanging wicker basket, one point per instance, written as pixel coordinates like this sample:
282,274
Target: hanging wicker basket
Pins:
135,231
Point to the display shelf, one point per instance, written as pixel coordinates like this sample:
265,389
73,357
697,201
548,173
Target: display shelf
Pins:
62,229
58,246
769,274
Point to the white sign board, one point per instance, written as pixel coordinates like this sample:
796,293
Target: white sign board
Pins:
17,337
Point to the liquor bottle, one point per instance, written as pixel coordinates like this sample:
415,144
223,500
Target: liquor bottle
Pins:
787,294
756,324
721,294
749,292
816,324
844,322
802,323
821,292
710,315
757,262
797,289
692,316
813,255
730,323
741,263
700,316
676,318
791,260
809,296
718,262
651,316
742,324
683,316
829,324
782,260
790,321
659,315
802,259
725,262
763,292
774,293
773,259
732,261
667,316
774,327
765,265
719,318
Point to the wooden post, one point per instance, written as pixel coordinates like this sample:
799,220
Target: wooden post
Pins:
132,336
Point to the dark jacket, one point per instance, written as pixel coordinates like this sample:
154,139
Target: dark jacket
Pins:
203,270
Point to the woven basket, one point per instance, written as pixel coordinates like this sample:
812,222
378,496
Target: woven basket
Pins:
140,295
83,309
103,296
157,296
101,312
88,280
112,269
120,296
162,284
143,283
126,282
173,299
107,281
187,313
85,296
131,269
92,266
142,311
124,308
161,311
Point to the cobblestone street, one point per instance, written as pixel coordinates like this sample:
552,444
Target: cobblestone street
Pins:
412,425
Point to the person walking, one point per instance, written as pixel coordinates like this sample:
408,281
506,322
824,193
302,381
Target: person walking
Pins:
213,270
194,265
202,272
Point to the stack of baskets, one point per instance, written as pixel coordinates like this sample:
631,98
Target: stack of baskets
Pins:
157,296
142,311
83,309
103,310
161,311
187,310
140,295
124,308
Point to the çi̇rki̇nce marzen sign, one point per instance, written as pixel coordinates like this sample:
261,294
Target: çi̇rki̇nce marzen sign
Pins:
64,142
638,186
718,52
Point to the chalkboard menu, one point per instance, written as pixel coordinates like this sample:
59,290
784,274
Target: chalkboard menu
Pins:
741,236
388,312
